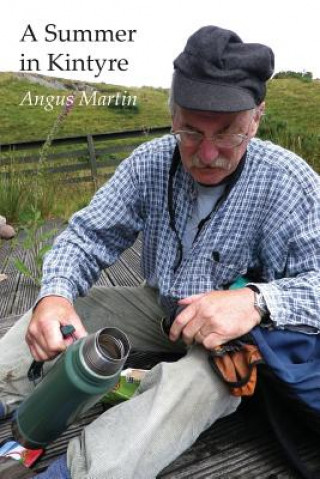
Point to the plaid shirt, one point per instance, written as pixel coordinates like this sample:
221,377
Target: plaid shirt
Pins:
268,228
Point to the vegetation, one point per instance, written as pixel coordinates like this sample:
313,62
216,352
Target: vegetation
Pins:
296,103
25,122
34,241
292,120
303,76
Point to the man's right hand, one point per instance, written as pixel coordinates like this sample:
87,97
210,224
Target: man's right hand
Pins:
44,336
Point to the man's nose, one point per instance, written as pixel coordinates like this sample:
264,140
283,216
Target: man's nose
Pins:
207,151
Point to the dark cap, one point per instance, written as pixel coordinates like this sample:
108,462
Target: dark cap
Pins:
217,71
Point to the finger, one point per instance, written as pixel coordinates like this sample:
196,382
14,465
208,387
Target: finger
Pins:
80,330
181,321
38,353
78,333
213,340
34,353
189,332
52,340
46,338
191,299
199,337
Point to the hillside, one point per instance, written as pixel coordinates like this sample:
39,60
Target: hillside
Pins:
289,100
295,102
27,122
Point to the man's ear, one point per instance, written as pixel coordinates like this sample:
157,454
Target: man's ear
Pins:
259,112
261,109
175,117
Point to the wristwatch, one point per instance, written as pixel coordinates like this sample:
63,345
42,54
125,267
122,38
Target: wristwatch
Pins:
260,303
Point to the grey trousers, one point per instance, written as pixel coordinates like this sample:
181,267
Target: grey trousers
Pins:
174,404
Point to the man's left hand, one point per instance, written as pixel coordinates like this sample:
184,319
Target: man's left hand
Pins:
214,318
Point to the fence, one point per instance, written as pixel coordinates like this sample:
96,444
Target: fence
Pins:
99,155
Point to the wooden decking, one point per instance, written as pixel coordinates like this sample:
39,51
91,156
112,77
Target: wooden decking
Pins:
235,447
18,293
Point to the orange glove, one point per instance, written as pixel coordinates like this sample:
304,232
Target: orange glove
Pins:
237,366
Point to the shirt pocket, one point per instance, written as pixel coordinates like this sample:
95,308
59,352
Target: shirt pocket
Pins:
205,273
224,272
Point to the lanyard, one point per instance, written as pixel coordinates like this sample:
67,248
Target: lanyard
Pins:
230,182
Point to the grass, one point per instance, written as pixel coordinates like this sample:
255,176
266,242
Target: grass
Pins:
26,122
295,102
18,194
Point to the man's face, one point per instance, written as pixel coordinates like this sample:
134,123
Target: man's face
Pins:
206,162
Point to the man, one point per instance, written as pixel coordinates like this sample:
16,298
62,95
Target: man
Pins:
213,203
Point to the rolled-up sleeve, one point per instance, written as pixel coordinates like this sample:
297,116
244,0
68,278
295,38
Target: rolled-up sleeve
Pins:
95,236
294,299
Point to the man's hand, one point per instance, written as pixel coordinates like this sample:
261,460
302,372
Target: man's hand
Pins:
43,336
214,318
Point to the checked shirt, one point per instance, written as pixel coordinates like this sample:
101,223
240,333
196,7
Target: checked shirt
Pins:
267,228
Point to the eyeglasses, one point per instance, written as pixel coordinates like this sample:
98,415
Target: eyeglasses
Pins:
191,138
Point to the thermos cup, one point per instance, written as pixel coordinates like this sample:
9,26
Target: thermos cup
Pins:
81,376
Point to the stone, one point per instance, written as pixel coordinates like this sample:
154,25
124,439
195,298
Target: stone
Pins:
2,220
7,232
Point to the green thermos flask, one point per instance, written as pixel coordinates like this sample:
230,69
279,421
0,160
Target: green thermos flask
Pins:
81,376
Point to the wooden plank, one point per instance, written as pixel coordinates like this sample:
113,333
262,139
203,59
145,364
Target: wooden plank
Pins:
121,275
9,287
27,291
104,280
80,179
18,292
60,169
92,159
70,154
69,140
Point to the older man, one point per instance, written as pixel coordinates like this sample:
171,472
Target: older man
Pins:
213,203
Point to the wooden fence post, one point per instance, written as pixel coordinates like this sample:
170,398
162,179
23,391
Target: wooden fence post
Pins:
93,160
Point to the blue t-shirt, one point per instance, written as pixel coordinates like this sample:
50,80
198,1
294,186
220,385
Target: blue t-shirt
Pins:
207,198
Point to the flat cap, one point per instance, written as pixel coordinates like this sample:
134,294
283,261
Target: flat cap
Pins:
217,71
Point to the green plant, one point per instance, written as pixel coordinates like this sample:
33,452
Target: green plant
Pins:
306,145
14,192
303,76
34,241
31,220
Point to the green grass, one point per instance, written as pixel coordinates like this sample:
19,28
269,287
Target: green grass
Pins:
19,123
295,102
19,194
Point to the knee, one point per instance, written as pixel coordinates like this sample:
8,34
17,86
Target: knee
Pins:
191,373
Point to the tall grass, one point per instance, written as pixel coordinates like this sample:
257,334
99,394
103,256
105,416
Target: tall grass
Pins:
304,144
19,194
14,193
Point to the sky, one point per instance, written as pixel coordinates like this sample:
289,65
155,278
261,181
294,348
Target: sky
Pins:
289,27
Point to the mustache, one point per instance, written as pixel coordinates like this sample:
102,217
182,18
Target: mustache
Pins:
219,162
